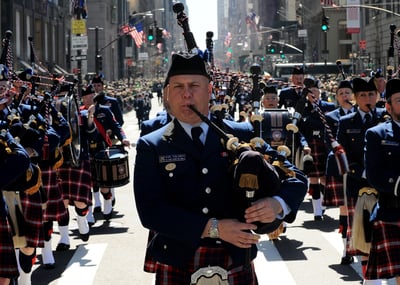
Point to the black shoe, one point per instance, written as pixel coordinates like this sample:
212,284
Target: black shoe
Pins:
62,247
49,266
346,260
84,237
113,202
91,224
107,217
97,209
317,218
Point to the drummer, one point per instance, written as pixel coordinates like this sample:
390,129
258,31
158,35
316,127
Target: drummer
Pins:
108,130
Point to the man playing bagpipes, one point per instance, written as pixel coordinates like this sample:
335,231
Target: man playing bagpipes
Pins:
184,193
334,194
360,196
14,164
75,179
22,197
382,155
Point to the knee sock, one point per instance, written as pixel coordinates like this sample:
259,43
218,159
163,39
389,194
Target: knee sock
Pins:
97,201
48,230
24,278
343,226
26,261
107,196
47,253
315,191
364,266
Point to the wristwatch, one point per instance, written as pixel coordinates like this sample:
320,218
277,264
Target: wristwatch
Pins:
213,231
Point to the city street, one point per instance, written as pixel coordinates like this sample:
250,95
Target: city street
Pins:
308,253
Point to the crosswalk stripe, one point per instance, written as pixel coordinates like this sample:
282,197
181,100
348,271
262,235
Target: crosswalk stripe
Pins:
269,266
83,265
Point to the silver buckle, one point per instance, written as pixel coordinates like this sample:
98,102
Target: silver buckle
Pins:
211,275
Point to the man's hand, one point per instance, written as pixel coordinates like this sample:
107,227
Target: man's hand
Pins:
237,233
264,210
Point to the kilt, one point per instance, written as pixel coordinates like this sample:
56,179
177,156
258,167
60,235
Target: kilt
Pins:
33,214
204,257
8,261
319,152
334,193
76,184
384,257
55,208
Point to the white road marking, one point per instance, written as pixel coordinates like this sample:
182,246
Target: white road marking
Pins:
83,265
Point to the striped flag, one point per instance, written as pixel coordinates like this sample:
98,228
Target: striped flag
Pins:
327,2
135,30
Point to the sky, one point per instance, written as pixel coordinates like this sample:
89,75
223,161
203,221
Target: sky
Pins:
202,18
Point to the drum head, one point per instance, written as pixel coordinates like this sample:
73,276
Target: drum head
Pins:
68,107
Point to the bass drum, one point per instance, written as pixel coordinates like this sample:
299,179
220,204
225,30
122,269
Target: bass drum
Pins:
68,107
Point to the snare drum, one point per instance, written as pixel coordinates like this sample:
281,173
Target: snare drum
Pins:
110,167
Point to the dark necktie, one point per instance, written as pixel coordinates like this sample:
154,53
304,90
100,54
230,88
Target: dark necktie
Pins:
367,118
196,133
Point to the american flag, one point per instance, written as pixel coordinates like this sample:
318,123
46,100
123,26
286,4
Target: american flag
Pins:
135,30
328,3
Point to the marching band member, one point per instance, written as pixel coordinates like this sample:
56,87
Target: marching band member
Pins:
171,174
23,197
382,153
334,195
75,181
289,96
108,129
14,163
313,130
351,135
104,99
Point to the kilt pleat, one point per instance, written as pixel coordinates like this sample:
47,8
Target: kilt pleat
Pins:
334,195
76,183
55,208
384,257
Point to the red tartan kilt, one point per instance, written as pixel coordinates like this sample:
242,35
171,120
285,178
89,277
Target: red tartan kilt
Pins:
33,214
76,183
204,257
8,261
384,257
55,208
334,195
319,153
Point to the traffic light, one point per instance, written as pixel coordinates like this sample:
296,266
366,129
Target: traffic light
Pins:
282,55
325,23
271,49
99,62
150,34
159,36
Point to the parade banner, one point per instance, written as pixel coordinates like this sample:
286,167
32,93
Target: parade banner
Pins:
353,17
